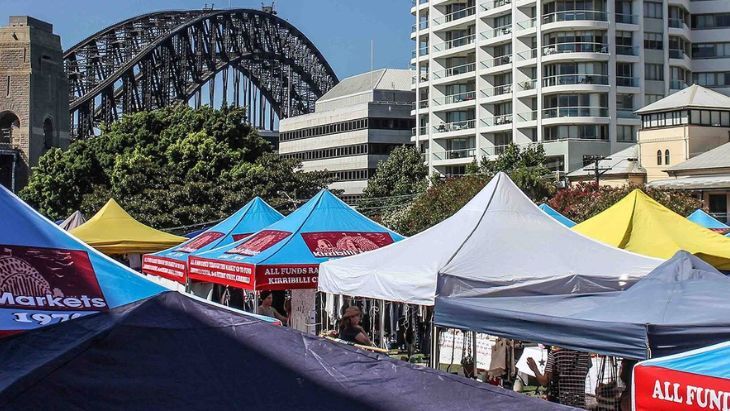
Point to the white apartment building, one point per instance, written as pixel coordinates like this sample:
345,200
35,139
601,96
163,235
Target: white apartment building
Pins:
566,73
355,125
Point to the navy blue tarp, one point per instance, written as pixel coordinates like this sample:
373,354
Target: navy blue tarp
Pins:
173,352
683,304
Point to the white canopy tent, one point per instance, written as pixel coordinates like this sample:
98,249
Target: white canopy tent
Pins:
500,237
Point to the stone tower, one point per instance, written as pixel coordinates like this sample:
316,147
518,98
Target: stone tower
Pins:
33,97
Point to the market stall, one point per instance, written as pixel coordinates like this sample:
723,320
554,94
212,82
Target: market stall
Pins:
705,220
172,263
556,215
681,305
695,380
287,254
500,237
48,276
113,231
76,219
640,224
173,352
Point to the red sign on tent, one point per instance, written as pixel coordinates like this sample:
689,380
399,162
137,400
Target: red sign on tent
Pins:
658,388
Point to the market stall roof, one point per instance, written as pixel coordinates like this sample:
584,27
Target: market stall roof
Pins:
48,276
499,238
287,253
113,231
681,305
640,224
700,376
172,263
76,219
705,220
170,352
556,215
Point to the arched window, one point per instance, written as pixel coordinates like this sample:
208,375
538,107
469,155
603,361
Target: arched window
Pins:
48,133
666,157
8,123
659,157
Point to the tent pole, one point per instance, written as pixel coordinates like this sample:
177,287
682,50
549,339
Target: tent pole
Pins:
474,353
381,324
434,346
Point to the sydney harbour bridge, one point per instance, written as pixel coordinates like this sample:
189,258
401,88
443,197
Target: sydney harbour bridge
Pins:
242,57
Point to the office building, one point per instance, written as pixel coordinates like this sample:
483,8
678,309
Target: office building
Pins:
569,74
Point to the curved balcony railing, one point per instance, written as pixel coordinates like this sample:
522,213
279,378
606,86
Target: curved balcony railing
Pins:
497,90
527,55
527,84
461,41
627,81
457,15
627,18
499,31
574,15
575,47
454,154
627,50
579,111
456,98
499,120
454,71
455,126
526,24
565,79
497,61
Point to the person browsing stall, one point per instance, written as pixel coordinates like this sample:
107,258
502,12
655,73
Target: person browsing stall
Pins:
565,376
350,329
266,309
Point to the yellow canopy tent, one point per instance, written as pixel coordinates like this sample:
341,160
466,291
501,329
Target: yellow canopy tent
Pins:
638,223
113,231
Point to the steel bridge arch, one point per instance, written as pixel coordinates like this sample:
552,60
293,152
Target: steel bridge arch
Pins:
157,59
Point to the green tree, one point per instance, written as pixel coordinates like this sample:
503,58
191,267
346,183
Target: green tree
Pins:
169,167
526,167
396,181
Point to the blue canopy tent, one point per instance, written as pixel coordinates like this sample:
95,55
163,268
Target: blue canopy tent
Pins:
48,276
287,254
172,263
705,220
556,215
681,305
173,352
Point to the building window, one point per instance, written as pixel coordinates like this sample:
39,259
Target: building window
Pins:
659,157
666,157
710,21
48,133
654,72
653,9
625,134
718,206
653,41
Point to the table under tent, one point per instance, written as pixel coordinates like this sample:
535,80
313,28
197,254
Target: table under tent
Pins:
640,224
286,254
501,238
172,264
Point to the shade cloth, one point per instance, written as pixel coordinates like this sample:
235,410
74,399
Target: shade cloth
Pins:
113,231
172,352
556,215
500,238
694,380
74,220
640,224
48,276
681,305
287,253
172,263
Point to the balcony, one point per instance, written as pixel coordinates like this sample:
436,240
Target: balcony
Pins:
527,55
419,2
423,25
461,41
493,4
454,71
559,112
420,104
497,32
465,153
497,61
423,78
626,113
456,98
627,81
576,47
627,18
527,85
677,54
527,116
677,24
627,50
677,85
574,15
457,15
497,90
423,51
499,120
525,24
455,126
422,131
566,79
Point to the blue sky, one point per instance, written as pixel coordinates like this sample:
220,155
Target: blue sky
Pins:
341,29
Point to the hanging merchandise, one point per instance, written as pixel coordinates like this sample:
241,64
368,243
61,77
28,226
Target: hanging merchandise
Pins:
302,307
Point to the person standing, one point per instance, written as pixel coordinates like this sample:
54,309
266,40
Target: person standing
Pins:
565,376
266,309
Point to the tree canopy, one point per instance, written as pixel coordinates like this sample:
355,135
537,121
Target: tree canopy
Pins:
169,167
396,181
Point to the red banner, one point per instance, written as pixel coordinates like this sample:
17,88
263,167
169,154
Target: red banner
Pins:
259,242
657,388
286,277
164,267
343,244
41,286
199,242
229,273
239,237
241,275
